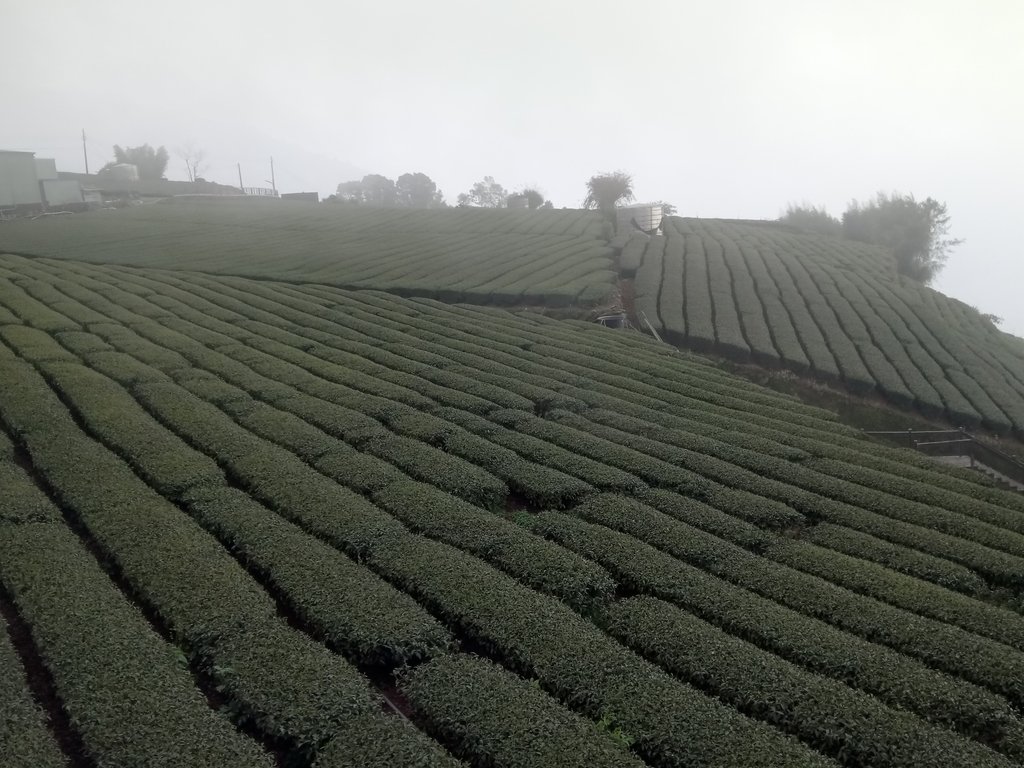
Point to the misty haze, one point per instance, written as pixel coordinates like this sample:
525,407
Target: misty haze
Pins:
511,385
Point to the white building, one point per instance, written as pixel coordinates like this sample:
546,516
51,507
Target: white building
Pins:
57,192
645,217
19,184
27,181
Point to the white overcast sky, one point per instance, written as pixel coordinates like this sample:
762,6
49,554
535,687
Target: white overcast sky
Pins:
726,109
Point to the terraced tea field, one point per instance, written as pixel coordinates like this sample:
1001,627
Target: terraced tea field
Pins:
831,308
248,523
465,254
753,291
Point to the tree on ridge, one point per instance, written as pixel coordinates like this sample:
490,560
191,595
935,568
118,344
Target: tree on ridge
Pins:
606,190
914,231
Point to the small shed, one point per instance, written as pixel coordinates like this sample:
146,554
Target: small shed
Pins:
645,218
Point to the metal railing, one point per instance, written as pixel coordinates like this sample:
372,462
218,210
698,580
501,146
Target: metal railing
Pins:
956,442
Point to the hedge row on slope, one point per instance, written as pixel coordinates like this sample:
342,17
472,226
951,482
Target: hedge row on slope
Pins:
538,484
903,525
25,739
472,596
830,307
809,642
124,688
550,569
495,718
669,723
896,557
941,645
290,486
817,496
831,479
353,612
269,401
825,713
373,622
553,257
865,578
289,688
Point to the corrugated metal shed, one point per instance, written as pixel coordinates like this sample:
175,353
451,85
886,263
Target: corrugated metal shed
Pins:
19,185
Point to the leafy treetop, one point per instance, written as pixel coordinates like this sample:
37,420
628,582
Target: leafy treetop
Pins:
914,231
605,191
484,194
812,219
152,163
412,190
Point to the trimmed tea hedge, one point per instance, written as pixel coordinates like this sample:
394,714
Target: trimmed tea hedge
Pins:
825,713
297,479
492,717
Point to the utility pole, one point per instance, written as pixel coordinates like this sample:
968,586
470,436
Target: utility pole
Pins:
241,187
85,153
273,183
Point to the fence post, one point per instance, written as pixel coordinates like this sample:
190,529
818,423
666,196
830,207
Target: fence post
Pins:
910,437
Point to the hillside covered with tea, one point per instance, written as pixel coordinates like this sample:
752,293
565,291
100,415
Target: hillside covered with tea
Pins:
482,256
255,523
828,309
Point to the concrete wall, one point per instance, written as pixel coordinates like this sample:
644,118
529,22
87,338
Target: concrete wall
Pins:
152,188
18,182
303,197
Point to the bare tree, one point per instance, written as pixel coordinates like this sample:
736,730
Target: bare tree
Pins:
195,160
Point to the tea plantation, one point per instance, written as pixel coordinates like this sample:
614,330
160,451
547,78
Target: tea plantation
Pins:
830,308
823,307
463,254
255,523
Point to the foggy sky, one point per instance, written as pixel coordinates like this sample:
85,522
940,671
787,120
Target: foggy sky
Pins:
726,109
